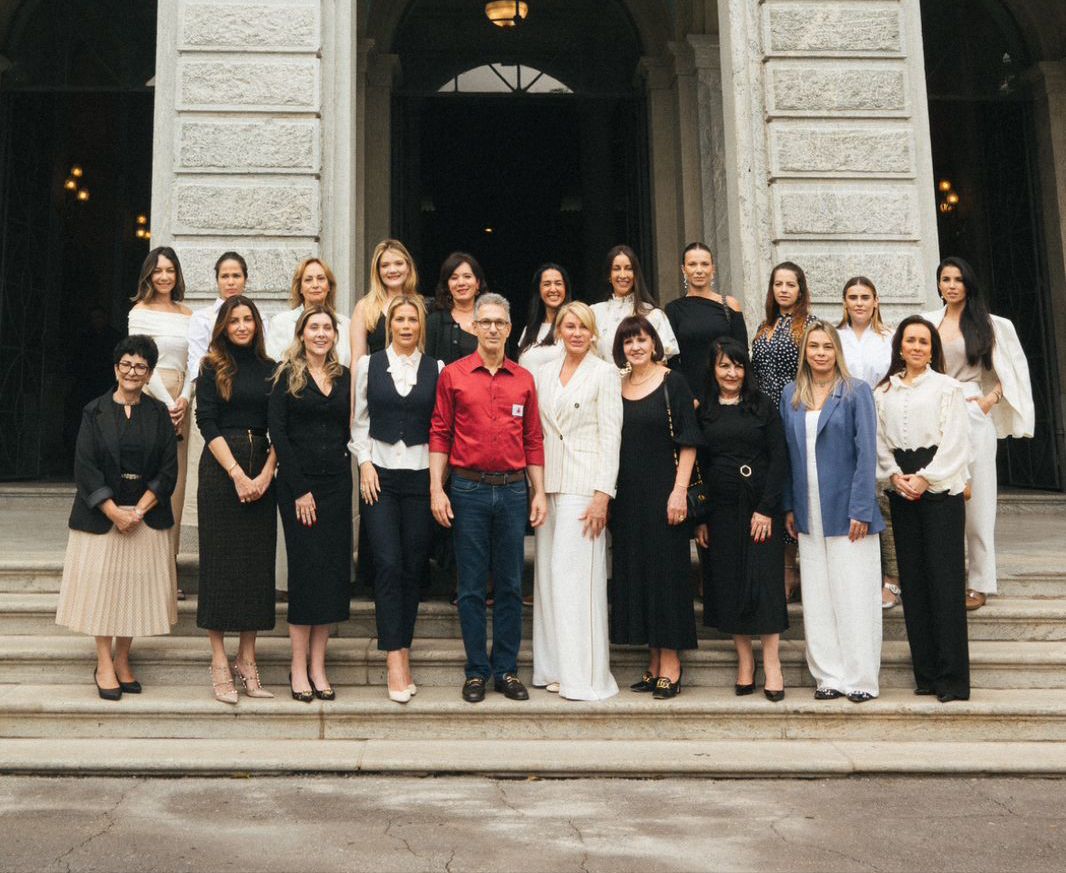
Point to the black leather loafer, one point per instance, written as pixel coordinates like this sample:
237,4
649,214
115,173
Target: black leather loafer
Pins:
645,685
948,697
511,687
924,692
474,690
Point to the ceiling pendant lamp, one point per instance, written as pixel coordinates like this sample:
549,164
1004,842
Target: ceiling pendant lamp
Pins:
506,13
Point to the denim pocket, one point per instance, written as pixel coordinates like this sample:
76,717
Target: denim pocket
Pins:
464,486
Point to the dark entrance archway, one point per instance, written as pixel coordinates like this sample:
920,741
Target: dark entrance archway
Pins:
981,114
75,93
520,145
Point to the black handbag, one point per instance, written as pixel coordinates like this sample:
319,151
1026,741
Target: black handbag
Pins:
696,493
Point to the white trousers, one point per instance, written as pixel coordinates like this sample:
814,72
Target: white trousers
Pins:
981,507
570,641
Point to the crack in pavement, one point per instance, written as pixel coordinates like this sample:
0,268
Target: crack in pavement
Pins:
111,822
506,800
584,850
448,863
866,865
392,836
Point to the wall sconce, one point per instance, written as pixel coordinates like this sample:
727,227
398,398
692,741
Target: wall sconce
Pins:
949,197
506,13
142,231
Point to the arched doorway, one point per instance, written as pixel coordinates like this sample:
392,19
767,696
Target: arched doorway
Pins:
986,162
74,91
521,145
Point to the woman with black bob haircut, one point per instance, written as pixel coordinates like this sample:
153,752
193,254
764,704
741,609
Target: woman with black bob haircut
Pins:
982,352
745,468
551,291
119,575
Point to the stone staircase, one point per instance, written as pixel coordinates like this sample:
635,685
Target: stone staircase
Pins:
51,720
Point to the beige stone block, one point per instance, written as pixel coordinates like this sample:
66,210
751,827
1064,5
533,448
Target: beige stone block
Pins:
798,149
282,208
833,28
260,85
849,89
843,211
895,268
264,26
270,266
249,146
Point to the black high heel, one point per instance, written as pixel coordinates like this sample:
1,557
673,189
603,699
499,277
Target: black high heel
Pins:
133,687
107,693
323,694
743,690
665,689
302,696
774,696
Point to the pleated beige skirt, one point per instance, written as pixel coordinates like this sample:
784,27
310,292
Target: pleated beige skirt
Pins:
119,585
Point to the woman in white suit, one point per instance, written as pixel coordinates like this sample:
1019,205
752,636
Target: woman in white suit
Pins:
580,400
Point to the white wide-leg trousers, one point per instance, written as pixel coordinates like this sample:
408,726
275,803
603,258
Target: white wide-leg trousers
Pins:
981,507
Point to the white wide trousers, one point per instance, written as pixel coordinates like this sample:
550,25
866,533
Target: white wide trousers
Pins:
570,641
981,507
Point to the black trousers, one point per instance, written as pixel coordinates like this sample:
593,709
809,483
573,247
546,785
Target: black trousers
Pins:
931,552
400,525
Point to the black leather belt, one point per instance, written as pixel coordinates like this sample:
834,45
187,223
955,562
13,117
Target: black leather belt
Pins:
490,478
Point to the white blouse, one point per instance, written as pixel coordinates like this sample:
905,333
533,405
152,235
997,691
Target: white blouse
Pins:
170,331
398,455
930,411
536,356
868,357
283,328
610,313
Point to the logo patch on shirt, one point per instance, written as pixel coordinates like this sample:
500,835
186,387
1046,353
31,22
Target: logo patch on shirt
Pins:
517,410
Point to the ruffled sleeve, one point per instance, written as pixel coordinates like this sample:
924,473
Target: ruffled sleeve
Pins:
682,407
952,458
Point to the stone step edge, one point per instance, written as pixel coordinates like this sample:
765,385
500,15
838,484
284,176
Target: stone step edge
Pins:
546,758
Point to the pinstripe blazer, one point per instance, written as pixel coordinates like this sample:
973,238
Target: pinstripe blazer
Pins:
582,423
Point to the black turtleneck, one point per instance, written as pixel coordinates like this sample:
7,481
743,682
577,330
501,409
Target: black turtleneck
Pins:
247,405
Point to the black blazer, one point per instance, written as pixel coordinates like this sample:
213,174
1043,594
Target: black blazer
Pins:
97,470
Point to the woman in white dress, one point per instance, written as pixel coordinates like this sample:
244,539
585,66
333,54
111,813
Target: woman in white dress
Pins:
982,352
313,284
629,295
580,400
867,345
538,344
159,313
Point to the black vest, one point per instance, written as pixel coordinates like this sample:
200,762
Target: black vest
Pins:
392,417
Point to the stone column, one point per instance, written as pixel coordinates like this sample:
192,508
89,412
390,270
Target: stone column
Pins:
827,143
662,156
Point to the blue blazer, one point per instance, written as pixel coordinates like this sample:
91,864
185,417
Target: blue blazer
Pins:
846,450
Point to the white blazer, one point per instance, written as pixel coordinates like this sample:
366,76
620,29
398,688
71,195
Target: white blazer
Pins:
582,423
1015,415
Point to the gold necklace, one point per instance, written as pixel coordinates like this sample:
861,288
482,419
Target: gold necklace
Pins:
647,378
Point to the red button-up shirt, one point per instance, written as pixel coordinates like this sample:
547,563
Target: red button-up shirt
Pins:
487,422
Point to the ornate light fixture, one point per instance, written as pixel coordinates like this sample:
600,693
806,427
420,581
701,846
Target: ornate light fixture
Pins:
949,198
506,13
142,231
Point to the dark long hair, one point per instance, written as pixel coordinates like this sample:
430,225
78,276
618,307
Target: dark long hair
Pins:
145,288
898,365
751,399
537,309
443,297
643,299
220,352
803,303
975,323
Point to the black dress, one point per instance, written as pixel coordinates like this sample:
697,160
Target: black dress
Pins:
697,322
310,434
445,340
650,592
744,587
237,540
375,339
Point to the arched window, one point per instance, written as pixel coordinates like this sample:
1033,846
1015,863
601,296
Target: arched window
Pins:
504,79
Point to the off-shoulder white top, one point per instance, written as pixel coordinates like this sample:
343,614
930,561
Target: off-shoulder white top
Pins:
170,330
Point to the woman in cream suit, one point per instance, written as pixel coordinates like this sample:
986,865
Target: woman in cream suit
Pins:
581,413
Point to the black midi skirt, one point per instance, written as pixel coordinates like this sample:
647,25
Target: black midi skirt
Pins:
320,556
237,543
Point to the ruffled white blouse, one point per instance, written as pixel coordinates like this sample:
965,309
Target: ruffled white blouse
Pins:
610,313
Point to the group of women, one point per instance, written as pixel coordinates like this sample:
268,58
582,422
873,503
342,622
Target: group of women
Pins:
659,427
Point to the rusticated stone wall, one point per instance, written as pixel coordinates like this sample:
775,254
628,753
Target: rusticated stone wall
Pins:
828,147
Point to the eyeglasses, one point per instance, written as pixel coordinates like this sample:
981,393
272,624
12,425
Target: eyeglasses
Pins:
130,367
492,324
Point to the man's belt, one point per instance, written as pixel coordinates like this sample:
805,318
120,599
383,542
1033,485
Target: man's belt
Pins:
506,478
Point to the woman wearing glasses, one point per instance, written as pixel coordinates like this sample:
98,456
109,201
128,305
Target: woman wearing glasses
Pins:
119,576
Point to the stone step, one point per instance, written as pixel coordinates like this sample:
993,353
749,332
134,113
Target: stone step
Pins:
530,757
1003,618
75,711
160,661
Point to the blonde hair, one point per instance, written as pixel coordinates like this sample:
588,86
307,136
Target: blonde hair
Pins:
804,393
377,298
294,361
296,298
875,322
582,312
414,300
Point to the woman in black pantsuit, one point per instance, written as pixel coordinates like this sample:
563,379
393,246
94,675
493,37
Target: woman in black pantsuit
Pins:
395,391
746,463
235,496
923,452
309,418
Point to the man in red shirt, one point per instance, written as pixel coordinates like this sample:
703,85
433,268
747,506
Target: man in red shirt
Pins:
486,427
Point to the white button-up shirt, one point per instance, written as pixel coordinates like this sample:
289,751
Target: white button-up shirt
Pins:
868,356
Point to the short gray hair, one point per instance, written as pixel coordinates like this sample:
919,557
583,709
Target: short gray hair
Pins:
492,299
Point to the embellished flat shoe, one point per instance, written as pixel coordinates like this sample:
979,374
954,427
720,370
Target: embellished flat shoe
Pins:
646,683
827,694
665,689
860,696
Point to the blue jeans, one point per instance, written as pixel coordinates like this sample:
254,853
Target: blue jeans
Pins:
490,529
